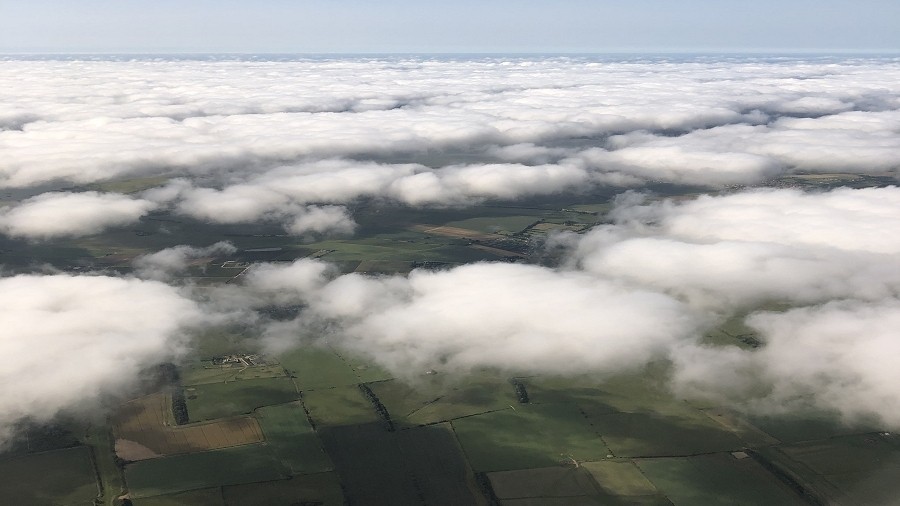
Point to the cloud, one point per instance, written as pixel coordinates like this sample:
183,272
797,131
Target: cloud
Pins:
508,316
61,214
739,250
677,163
71,339
331,220
162,264
848,219
836,357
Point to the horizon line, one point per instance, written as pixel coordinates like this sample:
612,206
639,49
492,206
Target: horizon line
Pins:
772,52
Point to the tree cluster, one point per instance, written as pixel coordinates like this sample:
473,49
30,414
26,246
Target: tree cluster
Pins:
179,406
521,392
379,407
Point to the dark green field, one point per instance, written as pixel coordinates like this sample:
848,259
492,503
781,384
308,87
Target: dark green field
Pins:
339,406
313,367
292,439
322,489
59,477
716,479
204,497
217,400
529,436
229,466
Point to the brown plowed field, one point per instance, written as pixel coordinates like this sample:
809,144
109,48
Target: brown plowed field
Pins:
143,425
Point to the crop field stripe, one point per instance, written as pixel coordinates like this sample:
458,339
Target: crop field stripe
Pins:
142,424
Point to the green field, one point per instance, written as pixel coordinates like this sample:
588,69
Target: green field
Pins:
322,489
663,434
716,479
559,481
863,466
314,367
206,372
203,497
292,439
810,427
339,406
217,400
620,479
179,473
433,456
371,465
59,477
528,436
435,398
399,247
506,225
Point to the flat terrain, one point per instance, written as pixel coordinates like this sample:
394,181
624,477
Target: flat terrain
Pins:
143,430
179,473
209,401
292,438
50,478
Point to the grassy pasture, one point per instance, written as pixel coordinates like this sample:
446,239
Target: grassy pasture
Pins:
637,416
557,481
439,399
59,477
620,478
496,224
402,399
321,489
663,434
716,479
862,467
180,473
528,436
206,372
292,439
202,497
313,367
428,399
217,400
640,391
339,406
382,248
383,267
130,185
806,427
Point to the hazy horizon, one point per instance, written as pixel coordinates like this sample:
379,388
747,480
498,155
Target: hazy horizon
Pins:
403,26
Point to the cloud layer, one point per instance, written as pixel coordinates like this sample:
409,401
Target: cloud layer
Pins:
705,121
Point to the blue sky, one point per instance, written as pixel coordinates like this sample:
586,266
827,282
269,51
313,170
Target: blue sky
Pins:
353,26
